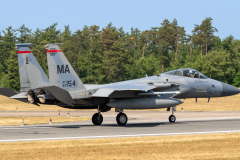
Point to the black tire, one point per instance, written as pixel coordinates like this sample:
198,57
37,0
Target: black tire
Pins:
121,119
172,119
96,119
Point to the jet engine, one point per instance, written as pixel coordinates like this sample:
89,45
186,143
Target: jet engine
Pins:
46,98
35,96
31,96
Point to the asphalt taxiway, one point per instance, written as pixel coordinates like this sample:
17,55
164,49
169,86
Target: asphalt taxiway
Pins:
140,123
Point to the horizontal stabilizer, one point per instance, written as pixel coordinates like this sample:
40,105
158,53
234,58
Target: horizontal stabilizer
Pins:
60,94
7,92
22,95
13,94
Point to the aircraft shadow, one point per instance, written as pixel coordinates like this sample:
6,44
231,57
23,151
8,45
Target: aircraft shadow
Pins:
130,125
109,125
133,125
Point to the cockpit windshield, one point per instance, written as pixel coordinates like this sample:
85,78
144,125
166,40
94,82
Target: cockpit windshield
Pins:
187,72
202,76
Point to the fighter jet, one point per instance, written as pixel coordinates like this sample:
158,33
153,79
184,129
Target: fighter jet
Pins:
164,90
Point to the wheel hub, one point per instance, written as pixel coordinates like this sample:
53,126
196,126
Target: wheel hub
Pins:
122,119
98,119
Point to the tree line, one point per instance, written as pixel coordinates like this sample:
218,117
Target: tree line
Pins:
110,54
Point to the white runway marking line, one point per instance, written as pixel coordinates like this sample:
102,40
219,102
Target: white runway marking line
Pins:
117,136
11,128
23,128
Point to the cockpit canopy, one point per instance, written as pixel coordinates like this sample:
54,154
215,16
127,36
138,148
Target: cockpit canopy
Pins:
187,72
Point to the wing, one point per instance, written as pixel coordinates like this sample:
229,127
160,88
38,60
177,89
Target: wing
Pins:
134,89
108,90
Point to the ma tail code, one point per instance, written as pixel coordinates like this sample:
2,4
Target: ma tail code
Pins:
62,69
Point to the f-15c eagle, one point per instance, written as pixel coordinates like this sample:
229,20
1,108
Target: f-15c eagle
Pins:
64,88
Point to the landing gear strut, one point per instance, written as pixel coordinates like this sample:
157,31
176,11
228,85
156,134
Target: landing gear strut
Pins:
121,118
172,118
97,118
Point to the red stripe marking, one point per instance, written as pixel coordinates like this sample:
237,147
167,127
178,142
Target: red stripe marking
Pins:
22,52
53,51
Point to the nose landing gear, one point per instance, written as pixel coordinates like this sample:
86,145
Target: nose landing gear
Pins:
172,118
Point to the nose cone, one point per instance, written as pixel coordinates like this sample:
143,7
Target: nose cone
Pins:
229,90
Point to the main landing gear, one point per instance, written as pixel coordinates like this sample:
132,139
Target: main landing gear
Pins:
97,118
121,118
172,118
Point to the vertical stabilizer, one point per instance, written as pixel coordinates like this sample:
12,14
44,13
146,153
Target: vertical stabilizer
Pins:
61,73
31,73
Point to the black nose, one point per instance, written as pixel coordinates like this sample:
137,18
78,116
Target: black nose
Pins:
229,90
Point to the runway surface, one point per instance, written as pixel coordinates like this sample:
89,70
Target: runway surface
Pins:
147,123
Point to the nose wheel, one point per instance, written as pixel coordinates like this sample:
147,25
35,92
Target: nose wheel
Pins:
121,118
172,118
97,119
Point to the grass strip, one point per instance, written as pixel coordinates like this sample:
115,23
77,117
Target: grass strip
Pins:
203,146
